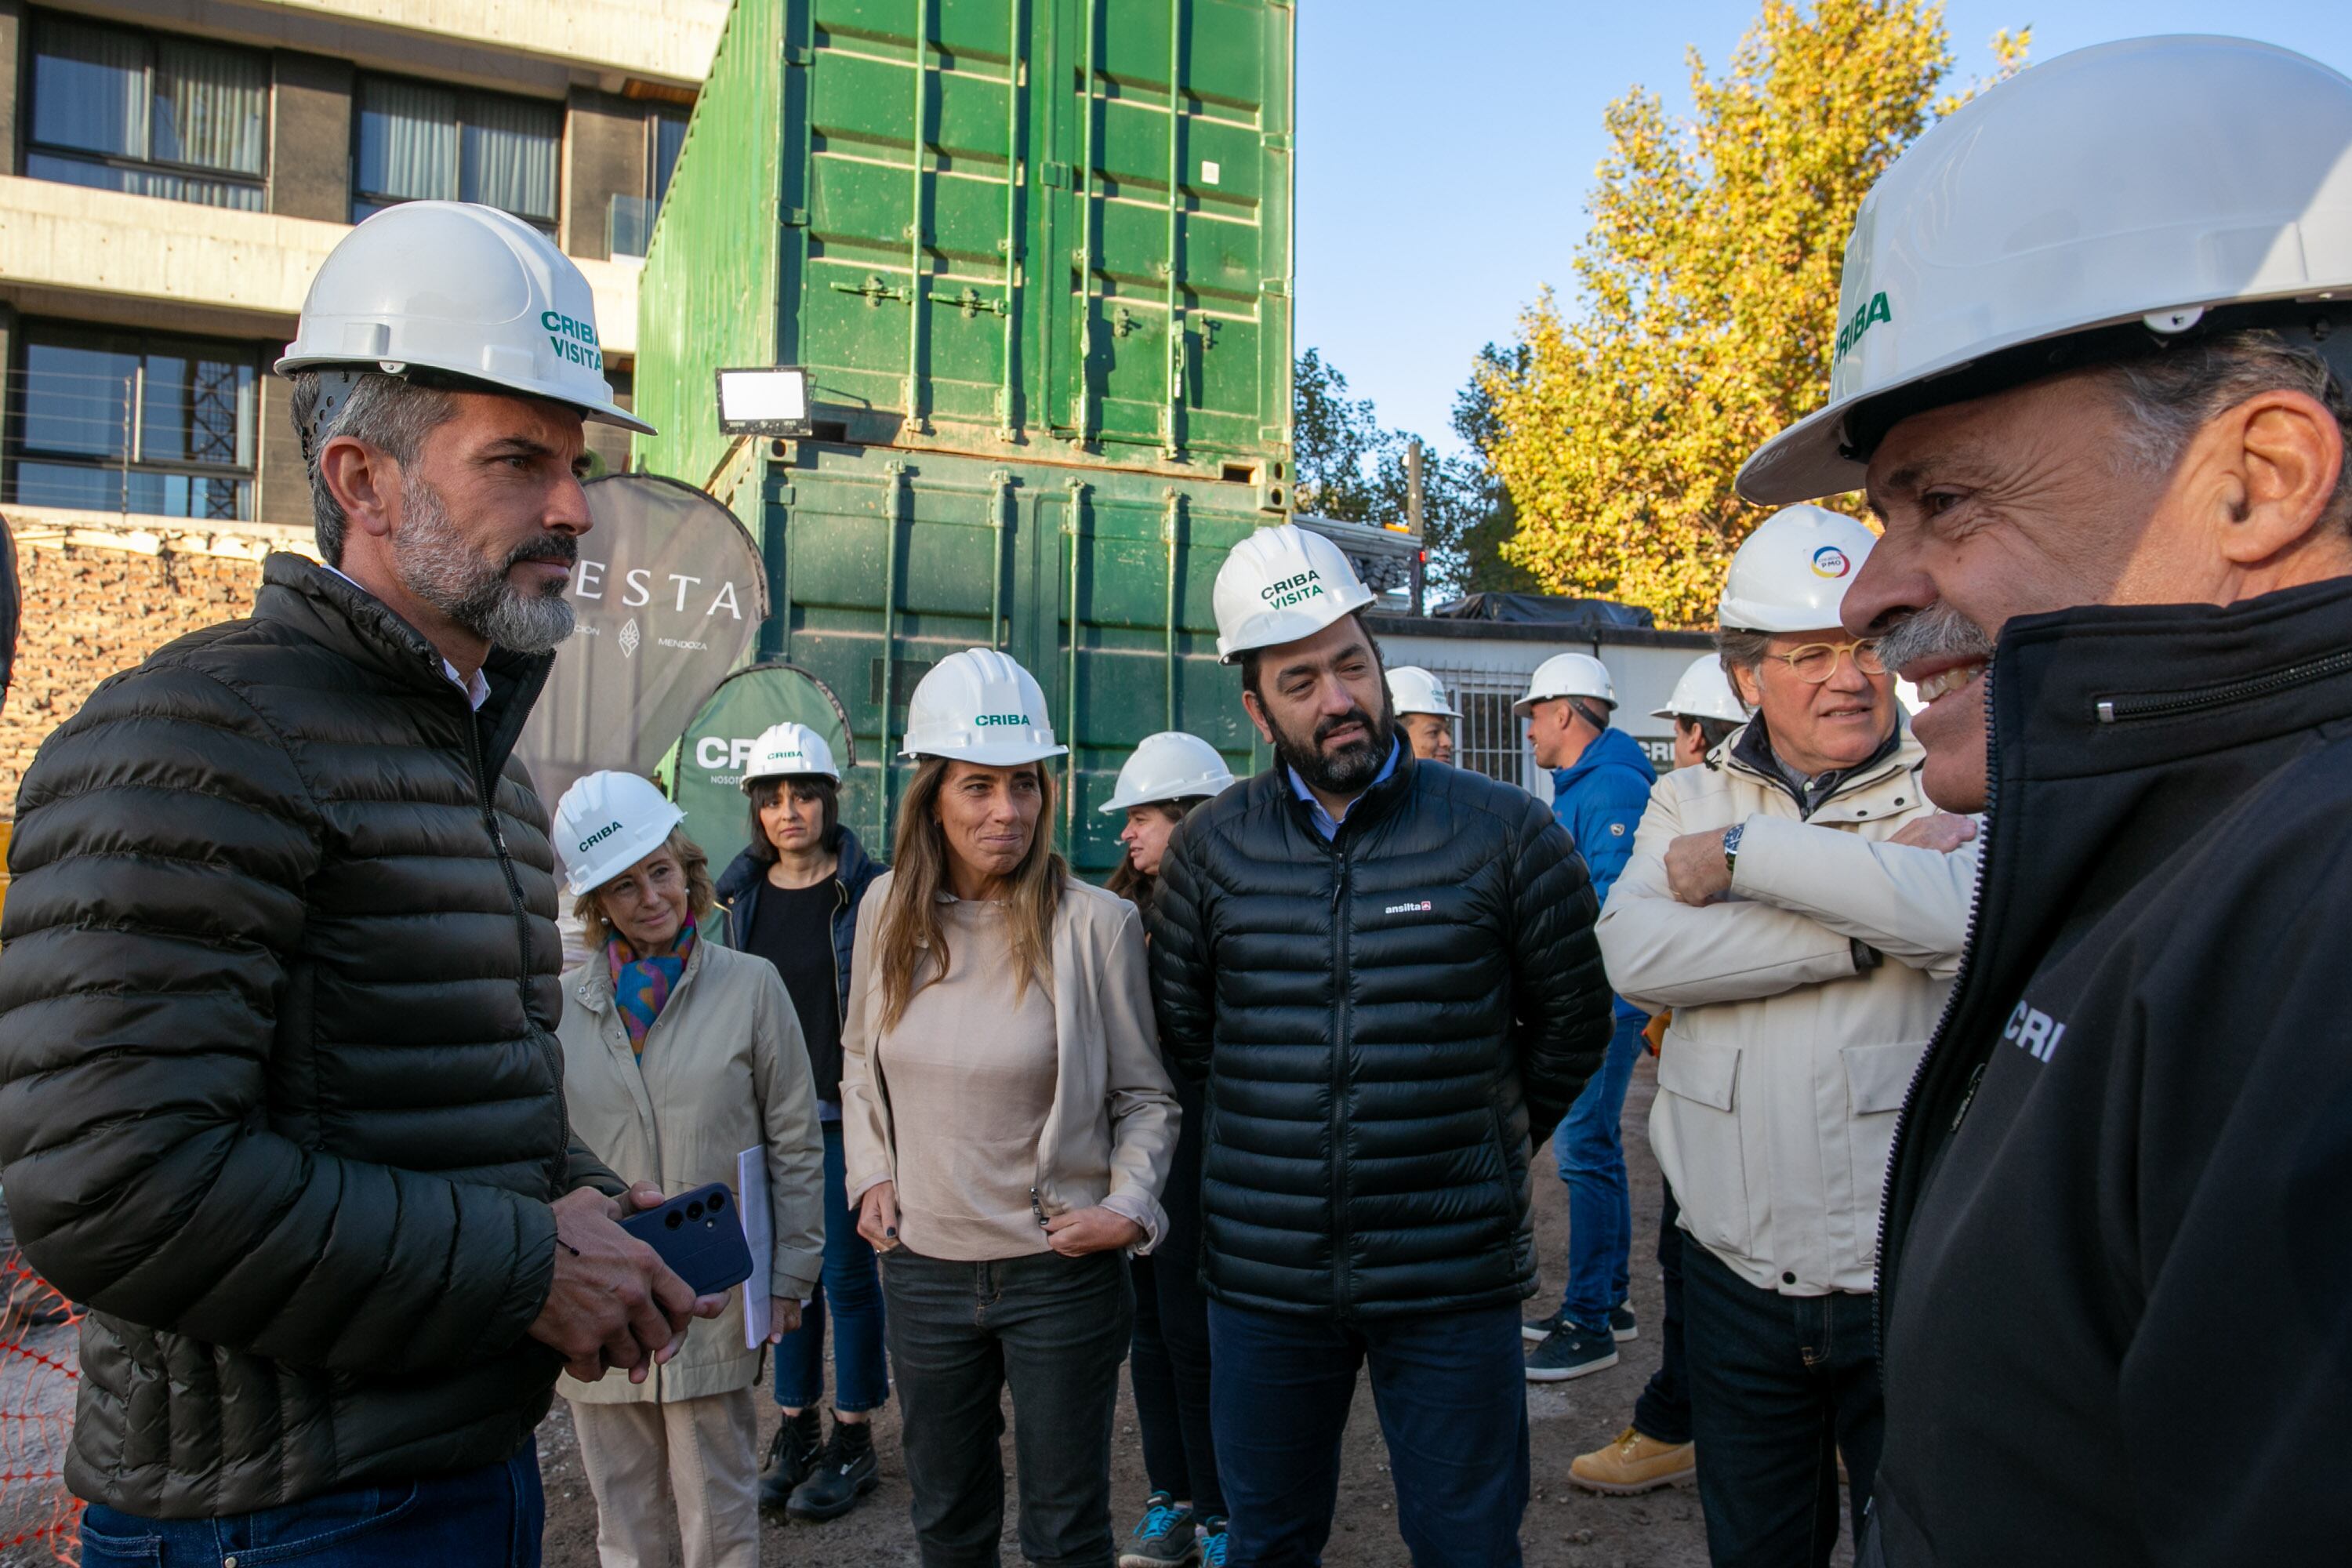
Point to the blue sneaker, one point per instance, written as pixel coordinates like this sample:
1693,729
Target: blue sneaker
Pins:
1213,1542
1622,1326
1163,1537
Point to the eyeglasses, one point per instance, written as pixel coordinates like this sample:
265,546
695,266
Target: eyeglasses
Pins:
1817,661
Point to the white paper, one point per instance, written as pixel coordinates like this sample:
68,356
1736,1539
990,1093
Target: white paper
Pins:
758,1235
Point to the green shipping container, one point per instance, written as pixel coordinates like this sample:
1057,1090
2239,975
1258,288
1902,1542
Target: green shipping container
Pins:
1038,230
1043,298
1098,581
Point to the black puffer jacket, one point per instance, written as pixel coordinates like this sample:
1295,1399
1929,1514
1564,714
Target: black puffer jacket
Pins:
1381,1020
279,1094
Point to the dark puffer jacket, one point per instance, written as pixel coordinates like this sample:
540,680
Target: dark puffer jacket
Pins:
1382,1020
279,1094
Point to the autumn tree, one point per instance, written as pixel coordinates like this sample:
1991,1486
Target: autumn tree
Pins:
1708,288
1352,468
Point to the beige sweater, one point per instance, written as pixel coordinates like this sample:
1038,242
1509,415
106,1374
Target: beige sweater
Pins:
725,1068
1108,1128
972,1056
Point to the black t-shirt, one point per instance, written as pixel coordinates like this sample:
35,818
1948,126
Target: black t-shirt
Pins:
792,927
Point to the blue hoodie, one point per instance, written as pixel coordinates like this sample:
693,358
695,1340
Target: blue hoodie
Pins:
1600,801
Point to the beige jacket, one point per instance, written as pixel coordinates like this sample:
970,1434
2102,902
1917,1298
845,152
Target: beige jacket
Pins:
1111,1132
1781,1073
725,1068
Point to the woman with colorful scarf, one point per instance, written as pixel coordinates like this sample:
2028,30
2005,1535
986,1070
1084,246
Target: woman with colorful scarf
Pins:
679,1055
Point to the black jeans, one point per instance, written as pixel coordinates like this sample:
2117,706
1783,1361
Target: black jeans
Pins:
1054,1328
1780,1387
1170,1367
1663,1411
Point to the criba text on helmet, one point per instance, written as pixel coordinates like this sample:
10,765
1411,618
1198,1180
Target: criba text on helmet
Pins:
1292,591
1015,721
573,338
1864,315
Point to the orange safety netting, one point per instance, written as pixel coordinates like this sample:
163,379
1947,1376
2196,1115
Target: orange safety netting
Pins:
39,1367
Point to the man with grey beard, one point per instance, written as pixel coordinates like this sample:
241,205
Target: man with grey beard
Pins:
2092,374
279,1095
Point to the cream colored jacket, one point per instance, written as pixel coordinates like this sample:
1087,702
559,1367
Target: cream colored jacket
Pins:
1111,1130
1781,1073
725,1068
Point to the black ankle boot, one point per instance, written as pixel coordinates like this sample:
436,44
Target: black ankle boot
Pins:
844,1472
793,1453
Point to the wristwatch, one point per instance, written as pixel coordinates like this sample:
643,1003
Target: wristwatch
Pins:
1731,846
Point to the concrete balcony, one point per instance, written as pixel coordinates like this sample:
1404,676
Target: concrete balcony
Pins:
249,268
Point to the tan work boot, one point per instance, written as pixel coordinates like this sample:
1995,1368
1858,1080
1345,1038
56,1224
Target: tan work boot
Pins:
1635,1463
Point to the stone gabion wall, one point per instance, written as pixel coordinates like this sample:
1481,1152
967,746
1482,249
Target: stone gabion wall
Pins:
90,611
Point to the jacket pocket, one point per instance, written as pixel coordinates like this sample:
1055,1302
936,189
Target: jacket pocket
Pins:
1876,1079
1699,1087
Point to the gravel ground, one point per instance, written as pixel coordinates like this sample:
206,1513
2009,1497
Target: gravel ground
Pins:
1565,1528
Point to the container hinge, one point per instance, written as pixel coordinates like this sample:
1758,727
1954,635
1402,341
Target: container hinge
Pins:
791,217
1057,176
874,290
971,302
1278,287
798,54
1275,142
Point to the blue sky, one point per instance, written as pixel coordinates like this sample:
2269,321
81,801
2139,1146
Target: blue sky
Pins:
1442,165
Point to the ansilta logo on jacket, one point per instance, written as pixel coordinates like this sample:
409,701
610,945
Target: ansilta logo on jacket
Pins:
1422,908
1829,561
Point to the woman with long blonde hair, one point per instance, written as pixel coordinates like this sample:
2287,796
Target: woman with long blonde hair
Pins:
1007,1126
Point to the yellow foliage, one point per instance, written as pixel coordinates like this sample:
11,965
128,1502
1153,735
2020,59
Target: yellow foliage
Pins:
1709,281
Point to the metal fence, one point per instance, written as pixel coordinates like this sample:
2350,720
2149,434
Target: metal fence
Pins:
1488,738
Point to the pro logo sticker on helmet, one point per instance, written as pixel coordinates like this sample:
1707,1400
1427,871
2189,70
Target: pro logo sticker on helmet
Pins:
1829,561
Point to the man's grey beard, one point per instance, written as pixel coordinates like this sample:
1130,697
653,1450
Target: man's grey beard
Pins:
440,567
1348,771
1939,631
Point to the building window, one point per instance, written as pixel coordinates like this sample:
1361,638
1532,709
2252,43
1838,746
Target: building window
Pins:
115,421
421,143
629,230
122,109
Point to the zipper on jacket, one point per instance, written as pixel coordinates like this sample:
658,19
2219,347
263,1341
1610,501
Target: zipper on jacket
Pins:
1935,1040
1339,1038
486,789
2203,698
1968,1096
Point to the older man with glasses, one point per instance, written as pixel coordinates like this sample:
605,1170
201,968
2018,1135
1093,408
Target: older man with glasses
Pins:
1802,908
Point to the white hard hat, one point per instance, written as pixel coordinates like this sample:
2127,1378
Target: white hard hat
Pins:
979,705
1703,692
459,289
1568,675
1413,689
1792,574
607,823
788,748
1170,766
2117,197
1280,585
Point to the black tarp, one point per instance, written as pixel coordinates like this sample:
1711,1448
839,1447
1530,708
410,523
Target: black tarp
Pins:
1543,609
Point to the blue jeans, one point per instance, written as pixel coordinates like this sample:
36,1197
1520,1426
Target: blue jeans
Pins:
1592,1148
1452,1393
861,1372
485,1518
